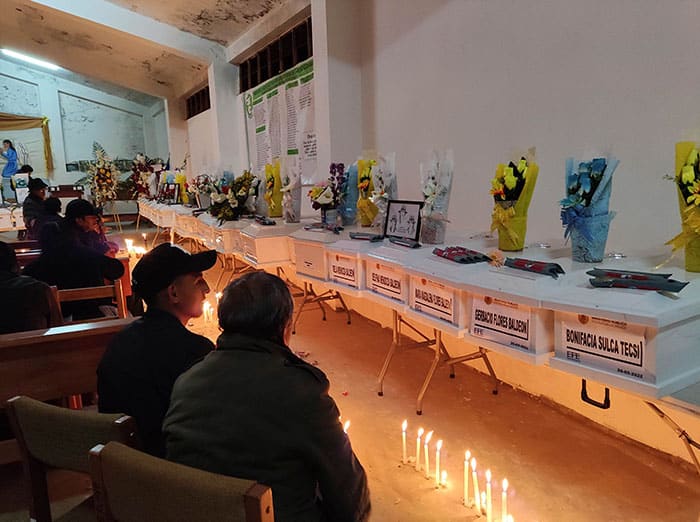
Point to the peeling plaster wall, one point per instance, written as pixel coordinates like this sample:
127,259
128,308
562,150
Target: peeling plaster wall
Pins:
88,115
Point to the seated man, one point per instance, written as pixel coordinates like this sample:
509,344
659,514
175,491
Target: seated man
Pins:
141,364
26,304
33,207
65,263
254,410
83,225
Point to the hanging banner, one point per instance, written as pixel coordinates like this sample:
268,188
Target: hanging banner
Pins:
280,122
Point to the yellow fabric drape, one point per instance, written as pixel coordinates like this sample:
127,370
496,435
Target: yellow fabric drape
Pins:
16,122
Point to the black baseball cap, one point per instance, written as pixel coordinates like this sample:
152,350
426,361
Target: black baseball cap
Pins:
158,268
80,208
36,184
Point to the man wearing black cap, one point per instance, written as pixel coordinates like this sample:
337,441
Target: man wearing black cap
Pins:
33,206
138,370
83,224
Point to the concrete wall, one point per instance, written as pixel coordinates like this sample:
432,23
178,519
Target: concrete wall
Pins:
79,115
569,77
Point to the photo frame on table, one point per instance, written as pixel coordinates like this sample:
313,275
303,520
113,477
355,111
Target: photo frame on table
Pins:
403,219
169,193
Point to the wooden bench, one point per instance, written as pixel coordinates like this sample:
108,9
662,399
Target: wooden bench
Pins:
114,292
48,364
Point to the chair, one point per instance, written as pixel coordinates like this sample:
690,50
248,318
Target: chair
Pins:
114,291
53,437
131,486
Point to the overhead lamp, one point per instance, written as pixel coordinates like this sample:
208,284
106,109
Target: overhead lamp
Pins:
29,59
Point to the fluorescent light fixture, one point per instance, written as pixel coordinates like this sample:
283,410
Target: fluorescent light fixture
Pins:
29,59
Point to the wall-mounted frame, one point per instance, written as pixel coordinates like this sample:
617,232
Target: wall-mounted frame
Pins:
403,219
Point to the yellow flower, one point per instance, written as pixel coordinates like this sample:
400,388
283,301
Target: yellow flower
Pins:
687,175
509,179
694,197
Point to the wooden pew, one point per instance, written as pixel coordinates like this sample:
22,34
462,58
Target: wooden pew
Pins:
49,364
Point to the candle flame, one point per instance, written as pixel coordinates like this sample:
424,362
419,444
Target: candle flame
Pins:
206,306
488,475
439,445
443,478
505,485
143,235
467,456
428,436
420,432
129,244
473,464
404,425
510,518
346,426
218,296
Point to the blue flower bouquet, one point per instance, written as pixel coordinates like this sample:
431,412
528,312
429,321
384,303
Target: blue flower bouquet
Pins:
585,212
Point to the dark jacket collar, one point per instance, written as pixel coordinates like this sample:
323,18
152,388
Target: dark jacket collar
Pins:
158,314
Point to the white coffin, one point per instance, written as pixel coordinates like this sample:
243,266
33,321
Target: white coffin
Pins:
267,245
310,252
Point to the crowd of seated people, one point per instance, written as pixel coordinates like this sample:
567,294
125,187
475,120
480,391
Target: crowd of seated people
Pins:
245,407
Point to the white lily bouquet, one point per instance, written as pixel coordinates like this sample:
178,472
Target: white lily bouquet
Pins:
385,187
436,185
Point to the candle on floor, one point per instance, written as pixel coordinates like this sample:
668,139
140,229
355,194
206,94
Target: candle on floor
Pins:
346,426
443,478
467,456
483,502
489,503
438,447
510,518
404,425
420,434
129,246
504,501
206,308
427,455
218,297
477,497
144,240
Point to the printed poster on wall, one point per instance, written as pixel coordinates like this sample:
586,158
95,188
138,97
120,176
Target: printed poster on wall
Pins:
280,122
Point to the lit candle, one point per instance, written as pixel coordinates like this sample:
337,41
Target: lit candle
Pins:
477,497
504,501
346,426
438,447
510,518
427,455
206,308
218,297
144,240
129,246
467,456
404,425
483,502
443,478
489,504
420,434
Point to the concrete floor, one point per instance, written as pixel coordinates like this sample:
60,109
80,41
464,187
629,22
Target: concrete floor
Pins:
560,466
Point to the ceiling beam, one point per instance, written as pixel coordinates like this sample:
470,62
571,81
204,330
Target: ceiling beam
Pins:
178,42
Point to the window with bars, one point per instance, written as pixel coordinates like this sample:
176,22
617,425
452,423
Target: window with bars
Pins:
198,102
292,47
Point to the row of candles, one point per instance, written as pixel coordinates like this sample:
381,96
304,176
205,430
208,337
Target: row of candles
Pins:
483,501
208,309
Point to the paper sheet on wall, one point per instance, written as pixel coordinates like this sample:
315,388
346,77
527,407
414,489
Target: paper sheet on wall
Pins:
280,122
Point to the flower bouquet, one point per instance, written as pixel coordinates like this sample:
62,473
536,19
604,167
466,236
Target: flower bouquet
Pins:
385,187
687,178
585,210
141,170
366,209
327,195
291,195
273,186
202,187
436,184
512,188
232,199
103,175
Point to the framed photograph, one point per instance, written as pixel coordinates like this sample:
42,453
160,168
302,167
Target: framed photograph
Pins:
169,193
403,219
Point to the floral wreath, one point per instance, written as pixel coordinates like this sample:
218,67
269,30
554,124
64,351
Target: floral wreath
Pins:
103,175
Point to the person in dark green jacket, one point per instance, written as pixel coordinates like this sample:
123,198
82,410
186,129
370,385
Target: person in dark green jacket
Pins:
252,409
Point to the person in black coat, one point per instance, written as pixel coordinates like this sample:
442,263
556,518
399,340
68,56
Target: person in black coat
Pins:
141,363
254,410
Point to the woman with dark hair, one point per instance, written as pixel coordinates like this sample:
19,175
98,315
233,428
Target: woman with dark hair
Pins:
252,409
10,154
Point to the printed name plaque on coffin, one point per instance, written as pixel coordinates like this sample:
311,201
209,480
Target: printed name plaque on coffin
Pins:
344,269
387,281
603,343
502,321
435,299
